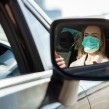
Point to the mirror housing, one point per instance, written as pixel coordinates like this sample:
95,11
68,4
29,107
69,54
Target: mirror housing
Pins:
63,44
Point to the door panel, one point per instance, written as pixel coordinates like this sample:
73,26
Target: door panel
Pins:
25,93
32,98
100,99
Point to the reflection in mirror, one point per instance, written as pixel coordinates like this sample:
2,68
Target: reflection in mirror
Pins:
83,43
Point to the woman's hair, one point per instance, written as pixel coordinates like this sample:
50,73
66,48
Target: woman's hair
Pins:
80,47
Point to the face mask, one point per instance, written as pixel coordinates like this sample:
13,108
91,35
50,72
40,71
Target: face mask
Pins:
91,44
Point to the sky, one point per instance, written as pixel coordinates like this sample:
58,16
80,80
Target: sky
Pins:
79,7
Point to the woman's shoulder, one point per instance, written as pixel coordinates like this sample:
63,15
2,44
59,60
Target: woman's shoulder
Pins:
105,59
79,62
73,64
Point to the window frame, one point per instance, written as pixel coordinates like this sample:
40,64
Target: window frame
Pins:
27,65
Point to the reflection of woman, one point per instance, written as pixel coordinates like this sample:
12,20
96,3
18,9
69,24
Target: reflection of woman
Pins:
91,51
91,48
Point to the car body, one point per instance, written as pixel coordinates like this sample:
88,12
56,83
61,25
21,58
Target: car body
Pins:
28,80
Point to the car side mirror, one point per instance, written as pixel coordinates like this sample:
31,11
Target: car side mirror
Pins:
82,46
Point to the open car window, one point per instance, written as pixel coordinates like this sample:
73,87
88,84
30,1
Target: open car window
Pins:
8,64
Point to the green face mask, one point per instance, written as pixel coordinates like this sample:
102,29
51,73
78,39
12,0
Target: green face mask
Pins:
91,44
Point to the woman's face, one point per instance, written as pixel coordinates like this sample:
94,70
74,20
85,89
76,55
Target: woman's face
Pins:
93,31
91,45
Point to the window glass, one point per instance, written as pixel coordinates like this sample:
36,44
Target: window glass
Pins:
8,64
41,38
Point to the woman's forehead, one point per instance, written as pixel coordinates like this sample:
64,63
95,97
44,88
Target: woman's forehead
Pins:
94,29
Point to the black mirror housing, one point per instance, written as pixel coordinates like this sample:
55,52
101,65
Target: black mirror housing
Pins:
61,40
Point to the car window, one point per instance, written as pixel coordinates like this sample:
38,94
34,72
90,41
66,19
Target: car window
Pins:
8,64
41,38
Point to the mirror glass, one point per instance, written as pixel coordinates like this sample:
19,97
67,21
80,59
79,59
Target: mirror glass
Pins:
81,42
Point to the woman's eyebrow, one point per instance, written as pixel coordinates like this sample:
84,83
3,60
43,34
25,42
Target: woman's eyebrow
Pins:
95,33
92,33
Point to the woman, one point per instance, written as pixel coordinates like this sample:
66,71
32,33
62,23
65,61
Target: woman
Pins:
91,48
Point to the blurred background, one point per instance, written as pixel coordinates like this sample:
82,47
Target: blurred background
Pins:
74,8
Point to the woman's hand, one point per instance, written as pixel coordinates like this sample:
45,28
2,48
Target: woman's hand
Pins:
60,61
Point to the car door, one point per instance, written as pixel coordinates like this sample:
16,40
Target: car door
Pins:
25,90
